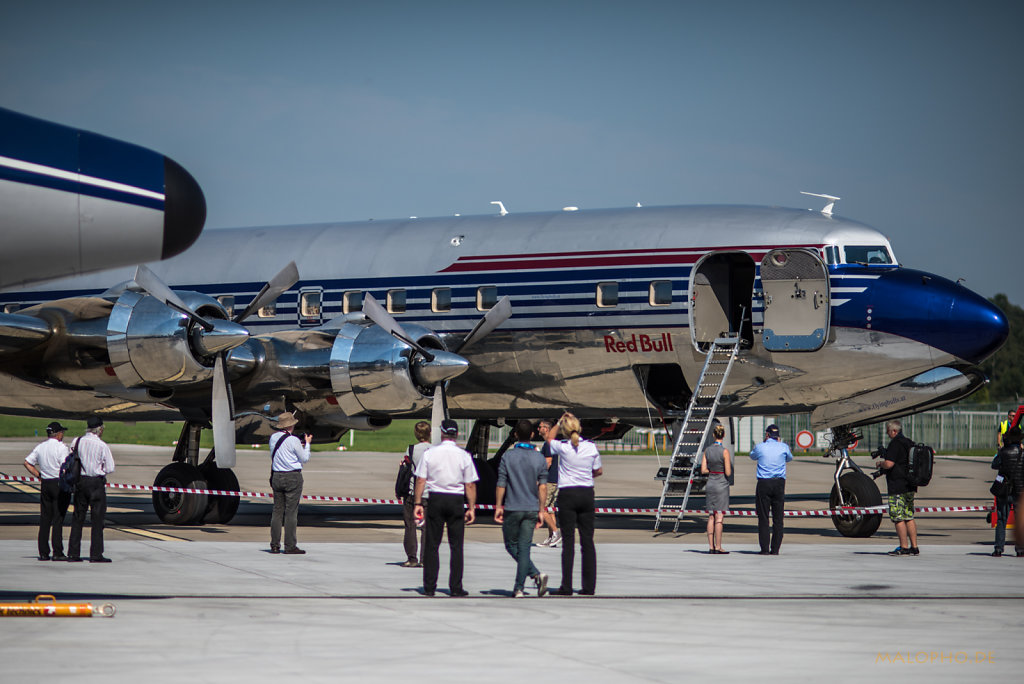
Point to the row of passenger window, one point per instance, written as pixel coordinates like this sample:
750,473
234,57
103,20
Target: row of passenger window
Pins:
311,302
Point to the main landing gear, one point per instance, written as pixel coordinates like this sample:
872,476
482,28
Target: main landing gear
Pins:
175,508
852,489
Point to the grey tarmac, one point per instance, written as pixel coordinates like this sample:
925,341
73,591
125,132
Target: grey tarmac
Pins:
208,603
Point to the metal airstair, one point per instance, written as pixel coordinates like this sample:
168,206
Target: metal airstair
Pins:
696,426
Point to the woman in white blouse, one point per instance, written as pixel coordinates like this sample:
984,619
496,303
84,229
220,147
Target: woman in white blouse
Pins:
578,464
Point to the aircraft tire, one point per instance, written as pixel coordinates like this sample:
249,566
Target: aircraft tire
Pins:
859,491
221,509
174,508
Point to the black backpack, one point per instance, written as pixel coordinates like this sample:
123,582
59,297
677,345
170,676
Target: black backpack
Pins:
403,483
919,465
70,470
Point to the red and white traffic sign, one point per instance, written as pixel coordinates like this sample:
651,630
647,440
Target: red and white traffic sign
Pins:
804,439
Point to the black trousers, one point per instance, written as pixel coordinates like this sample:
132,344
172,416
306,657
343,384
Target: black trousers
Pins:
576,510
409,540
770,498
90,495
445,510
53,506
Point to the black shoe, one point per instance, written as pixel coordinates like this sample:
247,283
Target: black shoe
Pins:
1020,554
428,593
294,551
561,591
773,553
100,559
721,551
914,551
900,551
997,554
584,592
411,563
458,593
42,557
74,559
59,557
762,553
275,549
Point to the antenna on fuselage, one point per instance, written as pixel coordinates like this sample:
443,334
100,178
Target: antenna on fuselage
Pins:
504,211
827,211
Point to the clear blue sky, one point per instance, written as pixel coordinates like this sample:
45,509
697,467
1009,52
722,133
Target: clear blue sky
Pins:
322,111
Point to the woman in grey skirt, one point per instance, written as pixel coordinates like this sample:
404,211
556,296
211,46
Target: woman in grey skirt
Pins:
716,463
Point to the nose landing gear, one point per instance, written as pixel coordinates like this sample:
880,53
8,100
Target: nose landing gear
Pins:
853,488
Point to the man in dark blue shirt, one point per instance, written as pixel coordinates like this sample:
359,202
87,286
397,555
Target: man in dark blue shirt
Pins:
771,455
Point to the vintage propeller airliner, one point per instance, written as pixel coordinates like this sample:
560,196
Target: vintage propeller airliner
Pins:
608,313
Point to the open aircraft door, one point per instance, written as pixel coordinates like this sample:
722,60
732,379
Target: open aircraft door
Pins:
796,300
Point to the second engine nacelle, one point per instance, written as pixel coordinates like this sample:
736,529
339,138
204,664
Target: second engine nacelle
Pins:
372,372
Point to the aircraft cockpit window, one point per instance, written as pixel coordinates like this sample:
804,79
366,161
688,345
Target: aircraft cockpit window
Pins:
351,302
831,255
486,298
607,294
228,302
11,308
309,306
660,293
396,301
268,311
867,254
441,299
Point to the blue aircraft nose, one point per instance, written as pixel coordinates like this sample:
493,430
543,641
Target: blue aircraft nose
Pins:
942,314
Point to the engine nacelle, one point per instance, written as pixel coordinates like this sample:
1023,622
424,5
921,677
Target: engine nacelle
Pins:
372,372
151,344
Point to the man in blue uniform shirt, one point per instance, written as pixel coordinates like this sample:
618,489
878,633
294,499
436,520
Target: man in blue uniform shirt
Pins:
770,495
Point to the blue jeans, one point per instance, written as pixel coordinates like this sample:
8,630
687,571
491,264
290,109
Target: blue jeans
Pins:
517,530
1003,504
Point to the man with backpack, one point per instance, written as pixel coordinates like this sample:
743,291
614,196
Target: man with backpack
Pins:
91,492
899,488
405,485
1009,463
44,462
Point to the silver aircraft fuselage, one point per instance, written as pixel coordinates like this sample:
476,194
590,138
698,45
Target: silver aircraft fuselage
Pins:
612,314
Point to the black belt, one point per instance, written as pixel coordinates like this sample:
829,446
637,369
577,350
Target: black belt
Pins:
771,478
293,470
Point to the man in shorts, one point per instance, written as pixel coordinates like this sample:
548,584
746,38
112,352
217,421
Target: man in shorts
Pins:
901,493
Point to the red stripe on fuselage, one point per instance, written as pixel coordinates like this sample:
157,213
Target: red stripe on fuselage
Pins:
649,257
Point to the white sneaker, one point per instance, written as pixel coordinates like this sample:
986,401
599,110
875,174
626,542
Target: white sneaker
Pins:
541,580
555,540
519,594
546,542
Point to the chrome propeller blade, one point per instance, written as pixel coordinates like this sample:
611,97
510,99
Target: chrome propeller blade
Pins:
498,314
438,412
277,286
152,284
223,416
376,313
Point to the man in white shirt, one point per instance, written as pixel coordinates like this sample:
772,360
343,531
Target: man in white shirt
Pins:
44,462
287,454
91,493
448,474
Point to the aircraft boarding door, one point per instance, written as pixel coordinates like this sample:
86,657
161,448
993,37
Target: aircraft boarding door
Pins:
720,296
796,300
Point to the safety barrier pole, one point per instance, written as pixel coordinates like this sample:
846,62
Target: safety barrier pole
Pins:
45,605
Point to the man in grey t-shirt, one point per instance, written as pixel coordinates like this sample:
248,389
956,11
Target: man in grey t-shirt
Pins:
523,476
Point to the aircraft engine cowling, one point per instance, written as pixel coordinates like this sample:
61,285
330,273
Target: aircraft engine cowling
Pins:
373,372
152,345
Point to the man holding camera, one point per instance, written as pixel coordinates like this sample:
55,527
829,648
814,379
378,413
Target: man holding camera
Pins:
287,454
771,455
900,492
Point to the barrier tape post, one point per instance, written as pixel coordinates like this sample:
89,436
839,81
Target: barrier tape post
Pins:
823,513
45,605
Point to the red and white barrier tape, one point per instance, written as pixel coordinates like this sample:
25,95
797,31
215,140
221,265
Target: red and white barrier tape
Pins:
742,513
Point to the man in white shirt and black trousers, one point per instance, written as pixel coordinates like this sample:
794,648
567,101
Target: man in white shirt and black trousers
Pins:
288,453
91,492
44,462
448,473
